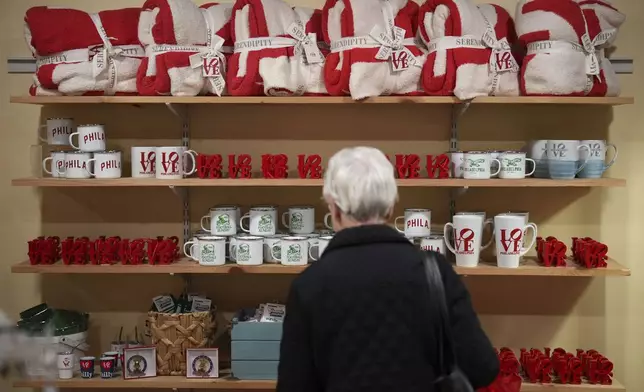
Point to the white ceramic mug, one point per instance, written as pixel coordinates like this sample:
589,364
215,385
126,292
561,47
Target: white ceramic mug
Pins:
299,219
294,250
597,151
58,131
248,250
513,165
269,242
144,162
221,220
233,243
66,362
319,246
313,239
212,250
77,165
509,231
91,138
434,243
456,163
171,162
484,223
57,159
328,223
262,221
476,165
526,219
417,222
467,234
538,151
564,158
494,154
106,164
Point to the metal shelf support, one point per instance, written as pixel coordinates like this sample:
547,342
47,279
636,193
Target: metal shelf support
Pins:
457,112
183,113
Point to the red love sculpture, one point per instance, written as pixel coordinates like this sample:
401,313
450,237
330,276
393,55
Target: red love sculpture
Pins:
275,166
309,166
408,165
438,167
209,166
240,166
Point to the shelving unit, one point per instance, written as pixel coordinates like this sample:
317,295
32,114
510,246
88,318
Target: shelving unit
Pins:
237,385
185,266
297,182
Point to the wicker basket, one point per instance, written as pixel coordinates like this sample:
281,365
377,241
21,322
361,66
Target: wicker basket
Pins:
172,334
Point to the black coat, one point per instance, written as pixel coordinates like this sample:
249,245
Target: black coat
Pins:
359,320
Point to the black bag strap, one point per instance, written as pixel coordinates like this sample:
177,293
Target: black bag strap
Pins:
447,354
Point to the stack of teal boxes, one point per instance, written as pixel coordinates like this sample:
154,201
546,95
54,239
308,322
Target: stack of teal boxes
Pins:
255,350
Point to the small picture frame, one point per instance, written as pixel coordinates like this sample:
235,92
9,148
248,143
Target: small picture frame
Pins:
202,363
139,362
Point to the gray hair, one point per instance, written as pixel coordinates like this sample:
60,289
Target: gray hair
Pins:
361,182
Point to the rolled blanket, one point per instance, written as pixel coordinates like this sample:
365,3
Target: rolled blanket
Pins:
603,21
275,50
371,55
470,49
186,46
78,53
561,57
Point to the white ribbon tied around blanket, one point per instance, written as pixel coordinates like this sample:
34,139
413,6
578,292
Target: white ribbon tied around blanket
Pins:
401,57
103,61
303,43
501,59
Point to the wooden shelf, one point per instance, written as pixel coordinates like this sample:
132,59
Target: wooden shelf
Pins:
296,182
169,382
185,266
139,100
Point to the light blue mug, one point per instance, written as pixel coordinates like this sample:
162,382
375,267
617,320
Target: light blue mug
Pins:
564,158
536,150
596,154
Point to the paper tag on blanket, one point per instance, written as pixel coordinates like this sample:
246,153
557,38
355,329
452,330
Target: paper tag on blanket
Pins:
402,59
503,61
211,66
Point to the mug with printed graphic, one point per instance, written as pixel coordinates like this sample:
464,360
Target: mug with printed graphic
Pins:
77,165
212,250
596,154
299,219
247,250
105,164
57,159
477,164
417,222
172,162
293,250
456,163
143,162
564,158
221,220
58,131
269,242
509,231
513,165
467,234
434,243
262,220
91,138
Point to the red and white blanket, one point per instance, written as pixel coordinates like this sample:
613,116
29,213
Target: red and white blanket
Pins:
275,50
373,51
81,53
470,49
187,48
565,47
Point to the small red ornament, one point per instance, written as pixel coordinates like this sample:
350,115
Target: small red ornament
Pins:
309,166
209,166
408,166
240,166
438,167
274,166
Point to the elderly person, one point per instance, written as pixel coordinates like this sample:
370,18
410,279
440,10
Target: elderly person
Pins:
360,319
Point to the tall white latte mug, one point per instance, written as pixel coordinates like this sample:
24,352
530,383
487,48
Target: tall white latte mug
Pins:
172,162
467,234
509,231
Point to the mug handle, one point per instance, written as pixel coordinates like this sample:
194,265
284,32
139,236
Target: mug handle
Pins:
44,165
203,226
498,167
326,221
310,251
534,237
614,156
396,224
241,223
284,220
42,139
88,166
233,253
583,165
275,245
193,158
489,222
448,225
185,249
534,166
71,140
